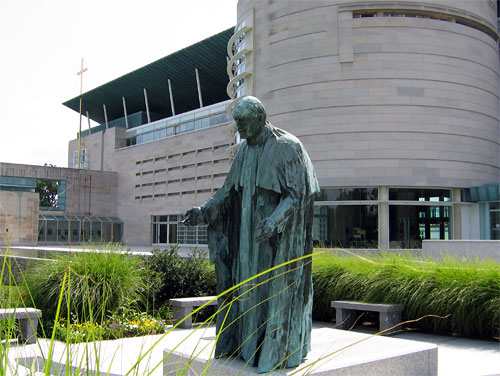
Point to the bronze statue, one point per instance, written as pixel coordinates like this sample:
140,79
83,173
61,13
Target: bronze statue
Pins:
260,218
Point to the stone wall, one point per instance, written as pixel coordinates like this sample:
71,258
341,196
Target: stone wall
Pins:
462,249
18,217
382,93
162,177
88,192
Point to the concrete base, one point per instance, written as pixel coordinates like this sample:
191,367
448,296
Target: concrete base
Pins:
334,352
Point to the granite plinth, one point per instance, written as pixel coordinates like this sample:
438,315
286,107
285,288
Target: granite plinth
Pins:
334,352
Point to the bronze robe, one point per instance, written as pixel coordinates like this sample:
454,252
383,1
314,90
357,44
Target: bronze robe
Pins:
269,320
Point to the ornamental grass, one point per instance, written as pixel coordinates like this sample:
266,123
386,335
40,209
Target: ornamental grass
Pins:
460,297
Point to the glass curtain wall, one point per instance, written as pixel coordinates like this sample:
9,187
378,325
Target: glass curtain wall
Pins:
494,209
346,217
418,214
78,229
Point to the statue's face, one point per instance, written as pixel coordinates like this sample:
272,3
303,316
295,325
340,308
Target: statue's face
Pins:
248,124
248,127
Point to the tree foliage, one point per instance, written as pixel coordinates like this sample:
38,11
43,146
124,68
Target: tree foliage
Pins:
47,189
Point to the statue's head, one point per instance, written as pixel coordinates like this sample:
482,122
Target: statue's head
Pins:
250,117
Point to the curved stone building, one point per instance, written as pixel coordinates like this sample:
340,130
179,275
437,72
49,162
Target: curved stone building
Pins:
397,103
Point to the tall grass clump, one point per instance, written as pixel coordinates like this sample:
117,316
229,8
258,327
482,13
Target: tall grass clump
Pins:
467,293
99,283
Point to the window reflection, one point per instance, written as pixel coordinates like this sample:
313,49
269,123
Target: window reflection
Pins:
188,123
409,225
347,226
347,194
419,194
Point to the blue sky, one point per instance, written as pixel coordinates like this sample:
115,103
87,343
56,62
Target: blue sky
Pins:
43,41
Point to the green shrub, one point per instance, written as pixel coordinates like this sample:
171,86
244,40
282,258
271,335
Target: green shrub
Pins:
99,283
171,276
469,292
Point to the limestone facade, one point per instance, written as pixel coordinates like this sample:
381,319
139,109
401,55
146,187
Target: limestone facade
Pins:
389,95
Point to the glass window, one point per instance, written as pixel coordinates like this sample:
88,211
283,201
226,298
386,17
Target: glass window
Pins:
42,230
495,220
172,233
410,224
348,226
347,194
205,122
222,118
74,226
187,117
162,133
419,194
202,113
163,233
62,230
202,234
212,120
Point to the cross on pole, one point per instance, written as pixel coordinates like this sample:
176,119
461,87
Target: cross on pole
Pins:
80,73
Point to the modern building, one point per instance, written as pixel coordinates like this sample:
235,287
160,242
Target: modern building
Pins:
397,103
83,206
164,131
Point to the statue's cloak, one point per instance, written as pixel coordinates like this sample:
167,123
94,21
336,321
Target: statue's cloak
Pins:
269,319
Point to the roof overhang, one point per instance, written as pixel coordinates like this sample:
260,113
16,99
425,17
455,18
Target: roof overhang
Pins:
207,56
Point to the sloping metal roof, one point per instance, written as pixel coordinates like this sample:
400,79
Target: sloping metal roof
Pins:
208,56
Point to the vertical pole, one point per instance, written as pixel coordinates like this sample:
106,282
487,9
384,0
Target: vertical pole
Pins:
199,87
80,133
147,105
80,73
171,97
105,115
125,111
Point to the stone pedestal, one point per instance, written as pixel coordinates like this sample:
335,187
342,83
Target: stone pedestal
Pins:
333,351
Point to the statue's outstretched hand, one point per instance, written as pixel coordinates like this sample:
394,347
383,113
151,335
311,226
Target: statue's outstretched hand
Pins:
193,217
265,230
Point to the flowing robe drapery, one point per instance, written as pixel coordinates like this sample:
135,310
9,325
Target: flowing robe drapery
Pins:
268,320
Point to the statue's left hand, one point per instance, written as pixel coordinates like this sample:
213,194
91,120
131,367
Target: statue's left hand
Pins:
265,230
193,217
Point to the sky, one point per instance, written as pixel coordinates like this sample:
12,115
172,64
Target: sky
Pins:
42,43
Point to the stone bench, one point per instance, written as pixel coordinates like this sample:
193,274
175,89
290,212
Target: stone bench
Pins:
182,307
389,314
28,321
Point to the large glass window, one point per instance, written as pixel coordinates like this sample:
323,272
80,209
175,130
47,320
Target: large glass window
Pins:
84,159
52,194
347,226
495,220
348,223
77,229
167,229
410,224
183,123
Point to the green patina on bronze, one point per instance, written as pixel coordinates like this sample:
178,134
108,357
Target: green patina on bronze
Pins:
260,218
